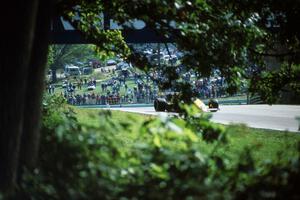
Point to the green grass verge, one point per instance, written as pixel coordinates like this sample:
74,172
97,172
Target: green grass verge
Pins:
265,143
89,116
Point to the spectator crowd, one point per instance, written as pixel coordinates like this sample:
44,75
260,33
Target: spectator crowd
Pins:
113,91
136,88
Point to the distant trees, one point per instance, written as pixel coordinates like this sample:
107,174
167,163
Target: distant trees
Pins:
66,54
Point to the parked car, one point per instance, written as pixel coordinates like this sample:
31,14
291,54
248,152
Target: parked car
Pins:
91,87
123,65
87,70
111,62
72,70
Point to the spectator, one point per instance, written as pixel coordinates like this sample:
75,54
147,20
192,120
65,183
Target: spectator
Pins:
52,89
49,88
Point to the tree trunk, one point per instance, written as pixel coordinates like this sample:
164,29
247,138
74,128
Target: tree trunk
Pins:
35,88
16,46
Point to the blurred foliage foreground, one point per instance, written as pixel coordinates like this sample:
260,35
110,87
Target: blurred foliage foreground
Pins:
164,159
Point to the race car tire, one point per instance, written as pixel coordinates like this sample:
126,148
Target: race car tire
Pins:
213,104
160,104
169,108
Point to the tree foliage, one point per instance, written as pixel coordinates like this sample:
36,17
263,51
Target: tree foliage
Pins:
60,55
231,36
165,159
226,35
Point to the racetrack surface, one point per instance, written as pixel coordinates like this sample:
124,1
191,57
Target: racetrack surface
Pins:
276,117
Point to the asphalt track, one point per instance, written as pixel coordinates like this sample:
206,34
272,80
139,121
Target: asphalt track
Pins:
276,117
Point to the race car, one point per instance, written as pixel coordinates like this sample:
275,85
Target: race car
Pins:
165,104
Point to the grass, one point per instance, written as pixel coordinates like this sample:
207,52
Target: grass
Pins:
265,143
90,117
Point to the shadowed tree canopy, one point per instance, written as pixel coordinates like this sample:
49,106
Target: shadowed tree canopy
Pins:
227,35
238,39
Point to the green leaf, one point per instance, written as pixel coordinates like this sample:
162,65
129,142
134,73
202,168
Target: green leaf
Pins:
156,141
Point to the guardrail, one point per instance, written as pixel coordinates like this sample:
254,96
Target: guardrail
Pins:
255,100
115,106
222,102
230,102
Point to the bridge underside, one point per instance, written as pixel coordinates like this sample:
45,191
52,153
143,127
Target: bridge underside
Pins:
130,36
62,35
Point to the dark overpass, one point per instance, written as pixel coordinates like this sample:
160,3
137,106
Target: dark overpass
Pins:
63,33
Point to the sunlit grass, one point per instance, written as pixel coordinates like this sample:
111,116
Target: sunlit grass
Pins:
265,143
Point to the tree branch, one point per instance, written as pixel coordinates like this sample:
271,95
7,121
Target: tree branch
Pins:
275,54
